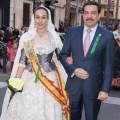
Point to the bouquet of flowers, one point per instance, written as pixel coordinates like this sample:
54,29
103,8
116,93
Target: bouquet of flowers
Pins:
15,85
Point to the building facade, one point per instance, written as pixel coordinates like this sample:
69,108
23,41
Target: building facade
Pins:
17,13
20,12
115,5
23,11
4,12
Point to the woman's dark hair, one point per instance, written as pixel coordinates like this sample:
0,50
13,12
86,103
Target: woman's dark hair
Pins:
38,8
92,3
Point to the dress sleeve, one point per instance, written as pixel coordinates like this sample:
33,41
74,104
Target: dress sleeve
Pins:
23,59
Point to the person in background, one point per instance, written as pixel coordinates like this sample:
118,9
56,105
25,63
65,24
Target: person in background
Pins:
12,29
12,52
26,29
2,34
1,57
116,77
16,32
92,49
115,25
10,45
22,30
3,28
56,29
1,50
61,26
8,35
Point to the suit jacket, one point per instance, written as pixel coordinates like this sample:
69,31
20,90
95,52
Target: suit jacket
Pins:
99,64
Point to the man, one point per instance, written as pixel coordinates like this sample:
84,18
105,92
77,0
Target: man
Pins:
61,29
90,75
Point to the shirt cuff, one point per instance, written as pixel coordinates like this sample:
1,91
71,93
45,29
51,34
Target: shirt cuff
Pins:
72,75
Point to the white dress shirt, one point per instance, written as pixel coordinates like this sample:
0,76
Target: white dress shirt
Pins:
92,33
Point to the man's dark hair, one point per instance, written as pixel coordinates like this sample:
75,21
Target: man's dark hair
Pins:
92,3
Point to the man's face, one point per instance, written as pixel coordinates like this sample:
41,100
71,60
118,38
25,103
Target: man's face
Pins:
91,16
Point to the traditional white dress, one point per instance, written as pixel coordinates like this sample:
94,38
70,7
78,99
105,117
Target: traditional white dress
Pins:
35,102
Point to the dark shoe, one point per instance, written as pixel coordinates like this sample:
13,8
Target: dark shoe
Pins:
1,67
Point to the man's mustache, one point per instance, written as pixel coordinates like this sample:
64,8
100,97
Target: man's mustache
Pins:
89,19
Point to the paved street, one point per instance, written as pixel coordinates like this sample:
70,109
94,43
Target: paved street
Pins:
3,78
110,109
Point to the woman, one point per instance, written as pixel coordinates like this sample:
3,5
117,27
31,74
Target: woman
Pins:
116,77
44,98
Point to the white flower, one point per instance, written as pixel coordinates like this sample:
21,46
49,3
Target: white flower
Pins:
16,83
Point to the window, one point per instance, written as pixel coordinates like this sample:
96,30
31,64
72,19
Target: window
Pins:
110,13
52,15
106,1
105,13
26,14
112,0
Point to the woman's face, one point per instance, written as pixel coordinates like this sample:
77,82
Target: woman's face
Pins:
41,18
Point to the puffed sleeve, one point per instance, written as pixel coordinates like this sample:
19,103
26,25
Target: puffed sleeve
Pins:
23,59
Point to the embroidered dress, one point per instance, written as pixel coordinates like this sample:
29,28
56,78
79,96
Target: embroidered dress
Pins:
35,102
38,101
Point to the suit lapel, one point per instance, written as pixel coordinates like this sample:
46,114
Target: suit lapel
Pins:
80,41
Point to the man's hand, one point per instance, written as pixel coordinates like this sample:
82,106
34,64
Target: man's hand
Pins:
69,60
102,95
81,73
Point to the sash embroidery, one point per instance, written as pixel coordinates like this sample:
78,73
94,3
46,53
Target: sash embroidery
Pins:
58,93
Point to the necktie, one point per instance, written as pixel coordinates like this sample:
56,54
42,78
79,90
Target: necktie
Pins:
87,42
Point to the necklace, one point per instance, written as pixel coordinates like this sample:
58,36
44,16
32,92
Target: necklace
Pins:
41,34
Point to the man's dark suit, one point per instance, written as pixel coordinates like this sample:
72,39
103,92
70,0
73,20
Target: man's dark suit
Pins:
99,65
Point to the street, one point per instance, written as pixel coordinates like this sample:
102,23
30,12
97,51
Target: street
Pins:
110,109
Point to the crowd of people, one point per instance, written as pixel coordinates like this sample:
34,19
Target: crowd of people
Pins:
10,37
56,86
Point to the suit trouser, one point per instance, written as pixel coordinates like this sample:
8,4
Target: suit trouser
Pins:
92,107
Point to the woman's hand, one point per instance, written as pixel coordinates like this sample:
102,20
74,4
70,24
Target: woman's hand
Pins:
69,60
